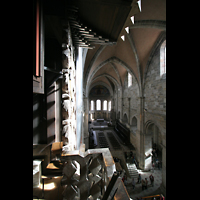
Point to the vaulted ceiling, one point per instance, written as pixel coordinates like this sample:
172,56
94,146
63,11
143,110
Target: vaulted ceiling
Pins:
98,26
109,64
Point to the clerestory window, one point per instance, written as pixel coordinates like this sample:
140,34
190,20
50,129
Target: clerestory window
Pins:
129,79
163,59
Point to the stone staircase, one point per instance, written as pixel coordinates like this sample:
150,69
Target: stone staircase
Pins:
132,170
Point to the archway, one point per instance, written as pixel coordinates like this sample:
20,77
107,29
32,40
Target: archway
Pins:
152,141
134,124
125,118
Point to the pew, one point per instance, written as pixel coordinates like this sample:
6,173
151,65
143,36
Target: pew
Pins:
123,132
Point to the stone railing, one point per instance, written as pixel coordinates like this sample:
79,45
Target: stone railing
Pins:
91,175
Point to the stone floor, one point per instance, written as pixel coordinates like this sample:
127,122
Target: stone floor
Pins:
137,192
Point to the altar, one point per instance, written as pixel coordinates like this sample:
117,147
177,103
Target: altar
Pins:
100,120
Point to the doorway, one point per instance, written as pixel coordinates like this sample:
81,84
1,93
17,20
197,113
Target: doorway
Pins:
152,143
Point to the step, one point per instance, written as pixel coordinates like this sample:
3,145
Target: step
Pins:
132,170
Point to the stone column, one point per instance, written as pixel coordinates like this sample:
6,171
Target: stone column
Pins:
163,185
68,91
142,153
121,109
129,110
112,103
94,116
102,108
85,126
117,103
79,97
57,111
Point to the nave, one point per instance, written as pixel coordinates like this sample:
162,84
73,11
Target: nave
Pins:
96,60
104,136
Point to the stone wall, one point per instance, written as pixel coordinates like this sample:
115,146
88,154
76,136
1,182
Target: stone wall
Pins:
127,101
155,95
131,109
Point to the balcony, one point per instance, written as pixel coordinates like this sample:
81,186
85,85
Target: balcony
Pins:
91,175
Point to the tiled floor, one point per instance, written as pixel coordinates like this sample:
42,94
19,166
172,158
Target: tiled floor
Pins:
137,192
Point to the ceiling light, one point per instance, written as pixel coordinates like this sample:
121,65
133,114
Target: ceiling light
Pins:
123,37
132,19
139,4
127,29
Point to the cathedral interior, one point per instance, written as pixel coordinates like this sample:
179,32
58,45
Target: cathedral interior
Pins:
99,99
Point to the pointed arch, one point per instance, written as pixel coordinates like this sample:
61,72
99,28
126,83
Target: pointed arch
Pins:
110,60
125,118
149,123
134,121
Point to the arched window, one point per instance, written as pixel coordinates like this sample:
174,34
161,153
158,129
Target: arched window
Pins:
98,104
92,105
129,79
163,59
105,105
109,106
